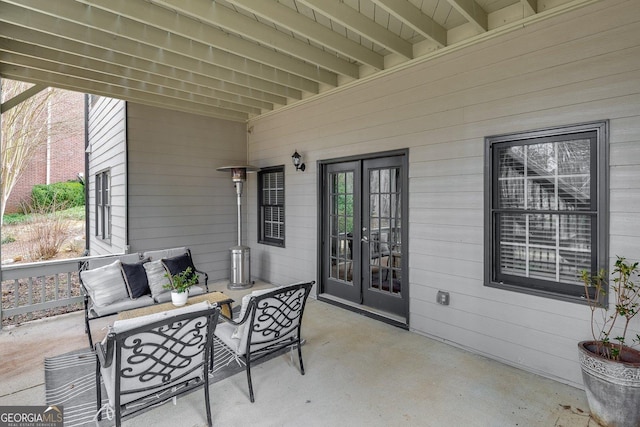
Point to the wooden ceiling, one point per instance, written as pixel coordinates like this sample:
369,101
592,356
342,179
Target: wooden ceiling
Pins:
238,59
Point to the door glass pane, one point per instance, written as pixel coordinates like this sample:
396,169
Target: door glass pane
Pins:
385,246
341,225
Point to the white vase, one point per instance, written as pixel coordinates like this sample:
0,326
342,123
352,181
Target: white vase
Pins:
179,298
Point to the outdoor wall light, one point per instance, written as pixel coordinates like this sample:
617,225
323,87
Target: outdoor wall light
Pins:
297,161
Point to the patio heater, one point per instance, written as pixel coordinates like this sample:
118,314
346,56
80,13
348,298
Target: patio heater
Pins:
240,266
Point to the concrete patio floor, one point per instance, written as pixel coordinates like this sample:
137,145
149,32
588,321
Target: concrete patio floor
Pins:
359,372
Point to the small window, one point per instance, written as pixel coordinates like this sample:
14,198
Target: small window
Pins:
271,206
545,216
103,205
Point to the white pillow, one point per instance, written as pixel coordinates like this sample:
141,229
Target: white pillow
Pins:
243,308
105,284
155,275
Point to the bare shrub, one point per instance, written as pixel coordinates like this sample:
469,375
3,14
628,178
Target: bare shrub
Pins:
47,230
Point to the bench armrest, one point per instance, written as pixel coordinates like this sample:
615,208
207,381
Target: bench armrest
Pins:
105,351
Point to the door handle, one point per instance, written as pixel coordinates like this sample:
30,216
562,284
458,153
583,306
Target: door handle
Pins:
365,239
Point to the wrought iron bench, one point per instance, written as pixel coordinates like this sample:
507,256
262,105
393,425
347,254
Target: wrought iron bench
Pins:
123,282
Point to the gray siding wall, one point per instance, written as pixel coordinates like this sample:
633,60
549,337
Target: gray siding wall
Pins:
584,66
176,196
107,136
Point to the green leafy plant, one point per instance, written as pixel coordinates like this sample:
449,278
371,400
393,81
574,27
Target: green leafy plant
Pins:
627,304
14,218
70,194
181,282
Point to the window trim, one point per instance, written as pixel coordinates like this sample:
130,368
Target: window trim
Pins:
103,209
267,240
601,223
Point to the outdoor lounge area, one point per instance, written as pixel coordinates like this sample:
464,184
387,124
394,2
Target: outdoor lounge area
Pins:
460,179
359,371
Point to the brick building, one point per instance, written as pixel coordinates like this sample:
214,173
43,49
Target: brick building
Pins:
65,160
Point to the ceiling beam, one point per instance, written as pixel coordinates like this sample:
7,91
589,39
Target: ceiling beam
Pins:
293,21
358,23
530,6
22,96
108,58
100,28
413,17
40,62
472,13
95,38
79,84
214,14
184,31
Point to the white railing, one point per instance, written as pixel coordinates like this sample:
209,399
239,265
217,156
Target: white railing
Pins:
39,289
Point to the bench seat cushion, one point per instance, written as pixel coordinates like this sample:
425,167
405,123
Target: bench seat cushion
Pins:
226,333
122,305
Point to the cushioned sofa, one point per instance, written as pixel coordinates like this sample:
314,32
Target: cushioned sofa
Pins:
116,283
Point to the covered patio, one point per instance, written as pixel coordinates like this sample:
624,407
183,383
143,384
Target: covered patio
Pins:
424,89
359,371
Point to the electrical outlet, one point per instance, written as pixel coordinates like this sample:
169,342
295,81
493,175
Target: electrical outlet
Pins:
443,298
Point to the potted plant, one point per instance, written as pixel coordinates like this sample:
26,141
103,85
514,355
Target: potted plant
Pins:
610,366
180,284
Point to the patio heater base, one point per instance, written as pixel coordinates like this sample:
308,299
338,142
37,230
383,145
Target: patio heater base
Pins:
240,268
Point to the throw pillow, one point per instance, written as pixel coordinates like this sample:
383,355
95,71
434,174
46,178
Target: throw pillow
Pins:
155,276
135,277
105,284
178,264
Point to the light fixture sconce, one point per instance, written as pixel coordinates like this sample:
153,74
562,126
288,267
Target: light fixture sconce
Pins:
297,161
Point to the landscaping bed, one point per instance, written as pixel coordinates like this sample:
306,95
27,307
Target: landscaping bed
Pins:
19,241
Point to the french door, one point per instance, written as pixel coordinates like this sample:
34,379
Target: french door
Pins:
364,233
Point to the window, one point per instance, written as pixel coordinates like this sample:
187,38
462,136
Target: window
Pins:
271,206
545,218
103,205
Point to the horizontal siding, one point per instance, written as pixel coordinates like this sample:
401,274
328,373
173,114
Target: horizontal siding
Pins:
176,196
107,140
583,66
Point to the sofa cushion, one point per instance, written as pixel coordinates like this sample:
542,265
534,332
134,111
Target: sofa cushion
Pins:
105,285
156,277
178,264
239,331
135,277
122,305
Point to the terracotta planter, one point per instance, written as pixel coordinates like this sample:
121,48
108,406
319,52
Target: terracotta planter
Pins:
612,387
179,298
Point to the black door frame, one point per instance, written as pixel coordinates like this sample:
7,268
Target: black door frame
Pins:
321,169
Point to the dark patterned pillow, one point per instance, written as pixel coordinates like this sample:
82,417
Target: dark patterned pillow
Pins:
178,264
135,277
